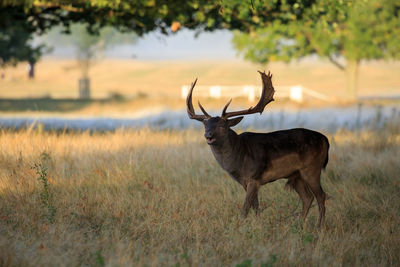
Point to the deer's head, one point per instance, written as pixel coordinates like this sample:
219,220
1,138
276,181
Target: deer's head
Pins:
217,128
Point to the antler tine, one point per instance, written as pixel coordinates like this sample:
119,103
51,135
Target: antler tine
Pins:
225,108
203,110
189,106
267,96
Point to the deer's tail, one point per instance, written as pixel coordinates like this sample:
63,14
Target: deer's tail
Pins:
327,154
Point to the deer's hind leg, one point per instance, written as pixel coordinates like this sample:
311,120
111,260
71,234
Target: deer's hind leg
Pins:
255,204
306,196
301,187
312,177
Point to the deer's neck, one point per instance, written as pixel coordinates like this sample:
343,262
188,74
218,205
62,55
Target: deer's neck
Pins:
228,154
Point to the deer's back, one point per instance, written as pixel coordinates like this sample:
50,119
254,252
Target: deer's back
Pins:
298,139
283,152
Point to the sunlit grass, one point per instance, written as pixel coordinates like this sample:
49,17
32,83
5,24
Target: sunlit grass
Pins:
159,198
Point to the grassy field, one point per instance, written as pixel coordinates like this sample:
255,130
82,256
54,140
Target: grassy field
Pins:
146,198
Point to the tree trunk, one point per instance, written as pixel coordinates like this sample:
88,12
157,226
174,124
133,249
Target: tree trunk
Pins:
31,70
84,88
352,78
84,82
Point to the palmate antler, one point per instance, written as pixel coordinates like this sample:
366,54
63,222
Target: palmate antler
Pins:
190,109
266,97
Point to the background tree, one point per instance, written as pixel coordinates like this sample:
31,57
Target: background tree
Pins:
139,16
16,42
268,30
89,47
345,32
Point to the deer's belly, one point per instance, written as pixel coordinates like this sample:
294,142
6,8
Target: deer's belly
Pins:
281,167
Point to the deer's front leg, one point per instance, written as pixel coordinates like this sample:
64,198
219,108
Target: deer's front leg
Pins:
251,198
255,204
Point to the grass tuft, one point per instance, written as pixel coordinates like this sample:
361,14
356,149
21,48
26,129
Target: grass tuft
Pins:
41,169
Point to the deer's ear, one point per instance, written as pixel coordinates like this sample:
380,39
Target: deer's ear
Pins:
235,121
204,121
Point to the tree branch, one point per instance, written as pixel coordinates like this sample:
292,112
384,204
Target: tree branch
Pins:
337,64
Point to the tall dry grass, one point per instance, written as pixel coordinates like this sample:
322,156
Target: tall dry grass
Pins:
159,198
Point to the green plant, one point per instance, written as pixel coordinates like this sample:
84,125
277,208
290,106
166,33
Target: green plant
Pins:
245,263
99,258
270,263
41,169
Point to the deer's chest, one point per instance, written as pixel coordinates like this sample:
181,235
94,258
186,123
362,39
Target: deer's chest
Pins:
239,168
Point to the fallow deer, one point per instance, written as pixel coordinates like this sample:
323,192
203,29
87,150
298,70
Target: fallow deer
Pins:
255,159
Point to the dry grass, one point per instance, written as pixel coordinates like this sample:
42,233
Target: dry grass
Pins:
159,198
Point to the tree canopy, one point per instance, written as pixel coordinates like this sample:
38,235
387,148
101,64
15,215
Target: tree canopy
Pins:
15,41
334,29
140,16
20,20
266,30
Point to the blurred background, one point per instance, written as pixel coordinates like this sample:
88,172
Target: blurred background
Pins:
101,166
100,65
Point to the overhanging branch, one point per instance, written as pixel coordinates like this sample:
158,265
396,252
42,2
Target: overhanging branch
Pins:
336,63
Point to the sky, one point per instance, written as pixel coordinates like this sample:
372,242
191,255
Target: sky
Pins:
181,46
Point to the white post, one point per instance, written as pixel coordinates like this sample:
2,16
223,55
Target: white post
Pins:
296,93
215,91
249,90
184,91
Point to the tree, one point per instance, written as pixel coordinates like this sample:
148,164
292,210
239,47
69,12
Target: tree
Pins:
139,16
268,30
20,20
16,42
88,46
337,30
